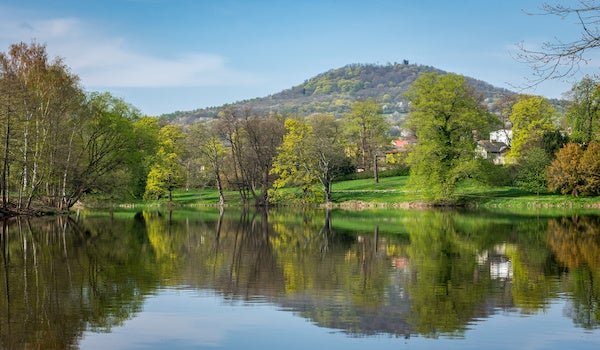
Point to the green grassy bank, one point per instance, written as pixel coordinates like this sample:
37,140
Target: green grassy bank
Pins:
393,192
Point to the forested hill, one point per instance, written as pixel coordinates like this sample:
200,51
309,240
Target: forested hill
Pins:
335,90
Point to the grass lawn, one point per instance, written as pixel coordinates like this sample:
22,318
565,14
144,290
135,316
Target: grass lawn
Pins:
393,191
388,190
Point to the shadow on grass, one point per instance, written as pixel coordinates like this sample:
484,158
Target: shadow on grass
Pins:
506,192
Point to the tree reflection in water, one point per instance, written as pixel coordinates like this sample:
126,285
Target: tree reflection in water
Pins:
576,243
399,273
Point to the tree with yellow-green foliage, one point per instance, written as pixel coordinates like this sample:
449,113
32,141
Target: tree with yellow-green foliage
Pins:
166,173
531,119
312,151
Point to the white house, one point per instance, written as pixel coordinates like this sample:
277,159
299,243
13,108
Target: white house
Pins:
503,135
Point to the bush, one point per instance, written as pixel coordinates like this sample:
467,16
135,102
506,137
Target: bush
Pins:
531,171
576,171
493,174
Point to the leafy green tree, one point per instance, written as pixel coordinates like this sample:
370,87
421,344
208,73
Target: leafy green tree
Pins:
312,151
208,151
368,129
444,114
166,173
43,108
108,152
329,149
531,118
145,131
583,114
532,170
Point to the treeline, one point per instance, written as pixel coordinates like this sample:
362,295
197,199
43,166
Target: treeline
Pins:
547,152
262,155
257,154
60,143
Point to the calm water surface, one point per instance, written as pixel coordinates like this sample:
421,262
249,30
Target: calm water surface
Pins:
383,279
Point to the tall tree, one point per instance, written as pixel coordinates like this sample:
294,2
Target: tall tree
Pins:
589,168
583,113
295,158
366,124
312,151
263,135
45,113
208,151
9,87
229,129
330,151
145,132
252,140
103,150
531,118
166,173
444,115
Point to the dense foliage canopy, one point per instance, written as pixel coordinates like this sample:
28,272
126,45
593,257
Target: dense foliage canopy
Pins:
445,116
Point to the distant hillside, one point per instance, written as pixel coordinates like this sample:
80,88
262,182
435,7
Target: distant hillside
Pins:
335,90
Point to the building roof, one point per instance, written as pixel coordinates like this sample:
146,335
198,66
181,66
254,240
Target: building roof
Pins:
403,143
493,146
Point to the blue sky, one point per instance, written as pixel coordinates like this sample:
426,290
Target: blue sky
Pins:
167,55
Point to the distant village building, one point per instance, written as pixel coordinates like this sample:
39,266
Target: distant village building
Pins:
402,145
493,150
503,135
496,148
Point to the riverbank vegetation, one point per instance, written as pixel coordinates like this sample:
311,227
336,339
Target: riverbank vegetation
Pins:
63,146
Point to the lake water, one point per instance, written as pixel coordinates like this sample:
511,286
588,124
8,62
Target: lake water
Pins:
380,279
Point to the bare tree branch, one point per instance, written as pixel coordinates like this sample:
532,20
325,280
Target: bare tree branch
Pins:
557,59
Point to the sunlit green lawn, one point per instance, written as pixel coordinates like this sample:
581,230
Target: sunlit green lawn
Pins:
394,190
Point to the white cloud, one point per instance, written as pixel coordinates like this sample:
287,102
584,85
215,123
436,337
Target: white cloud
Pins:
104,61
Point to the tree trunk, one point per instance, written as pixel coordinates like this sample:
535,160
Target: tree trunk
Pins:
5,162
219,188
375,169
328,191
66,171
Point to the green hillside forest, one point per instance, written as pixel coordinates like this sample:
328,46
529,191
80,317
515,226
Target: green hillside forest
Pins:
335,90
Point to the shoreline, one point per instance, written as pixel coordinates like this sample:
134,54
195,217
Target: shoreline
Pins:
33,212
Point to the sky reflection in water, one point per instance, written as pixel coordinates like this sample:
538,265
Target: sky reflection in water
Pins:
376,280
190,319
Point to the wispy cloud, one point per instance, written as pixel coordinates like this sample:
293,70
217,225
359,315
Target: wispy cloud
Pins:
104,61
